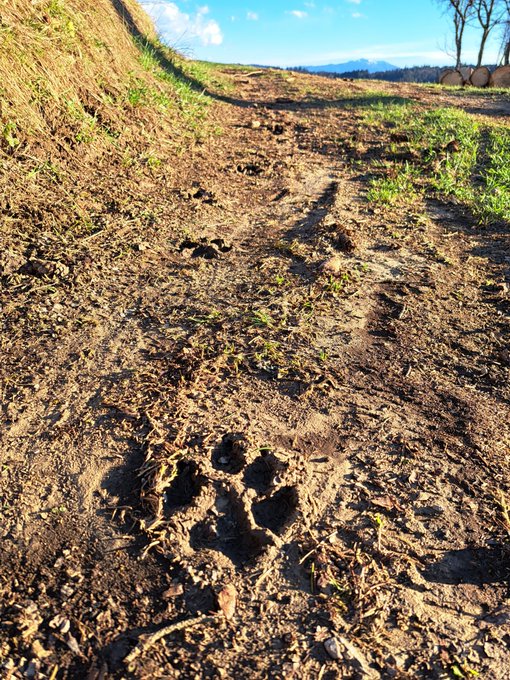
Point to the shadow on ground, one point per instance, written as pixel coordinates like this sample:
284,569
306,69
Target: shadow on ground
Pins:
476,566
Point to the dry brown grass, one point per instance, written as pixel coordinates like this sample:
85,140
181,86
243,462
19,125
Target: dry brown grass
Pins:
87,94
59,56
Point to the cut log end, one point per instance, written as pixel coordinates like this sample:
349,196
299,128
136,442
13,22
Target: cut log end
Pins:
452,78
480,77
500,77
466,72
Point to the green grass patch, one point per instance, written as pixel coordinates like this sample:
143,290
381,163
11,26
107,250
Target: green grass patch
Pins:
191,84
456,156
375,98
399,187
487,92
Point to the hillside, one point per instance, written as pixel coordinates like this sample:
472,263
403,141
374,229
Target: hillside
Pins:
255,372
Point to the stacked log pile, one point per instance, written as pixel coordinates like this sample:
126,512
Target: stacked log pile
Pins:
477,77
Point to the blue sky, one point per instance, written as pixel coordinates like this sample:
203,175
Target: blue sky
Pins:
286,33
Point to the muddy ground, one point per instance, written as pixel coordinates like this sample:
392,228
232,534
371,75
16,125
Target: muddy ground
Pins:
286,470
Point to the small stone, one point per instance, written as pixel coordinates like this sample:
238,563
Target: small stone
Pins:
38,650
65,626
174,590
31,670
429,510
332,648
255,124
333,266
73,645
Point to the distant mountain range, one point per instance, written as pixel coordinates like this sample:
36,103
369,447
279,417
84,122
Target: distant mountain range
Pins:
359,65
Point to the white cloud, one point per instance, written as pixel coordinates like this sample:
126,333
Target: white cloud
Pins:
357,15
355,2
175,25
252,16
299,14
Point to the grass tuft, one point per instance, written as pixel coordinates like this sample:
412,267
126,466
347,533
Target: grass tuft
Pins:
454,155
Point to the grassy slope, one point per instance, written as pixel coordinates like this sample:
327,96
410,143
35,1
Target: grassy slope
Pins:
91,104
82,68
62,59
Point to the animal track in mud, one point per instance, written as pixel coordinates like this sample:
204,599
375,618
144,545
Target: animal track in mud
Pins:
262,473
208,249
277,512
237,503
232,532
230,455
185,487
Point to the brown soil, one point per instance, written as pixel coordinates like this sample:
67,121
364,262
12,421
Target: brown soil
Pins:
190,401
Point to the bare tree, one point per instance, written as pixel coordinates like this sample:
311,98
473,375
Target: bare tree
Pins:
488,14
461,12
505,45
505,60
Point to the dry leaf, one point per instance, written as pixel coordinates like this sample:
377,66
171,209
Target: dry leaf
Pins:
386,502
227,601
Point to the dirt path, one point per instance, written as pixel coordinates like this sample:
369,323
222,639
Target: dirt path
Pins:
217,409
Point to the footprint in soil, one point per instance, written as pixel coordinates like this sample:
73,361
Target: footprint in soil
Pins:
235,524
208,249
262,473
231,533
279,511
185,487
230,455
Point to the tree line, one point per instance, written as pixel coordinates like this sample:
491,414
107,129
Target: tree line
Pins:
410,74
488,16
